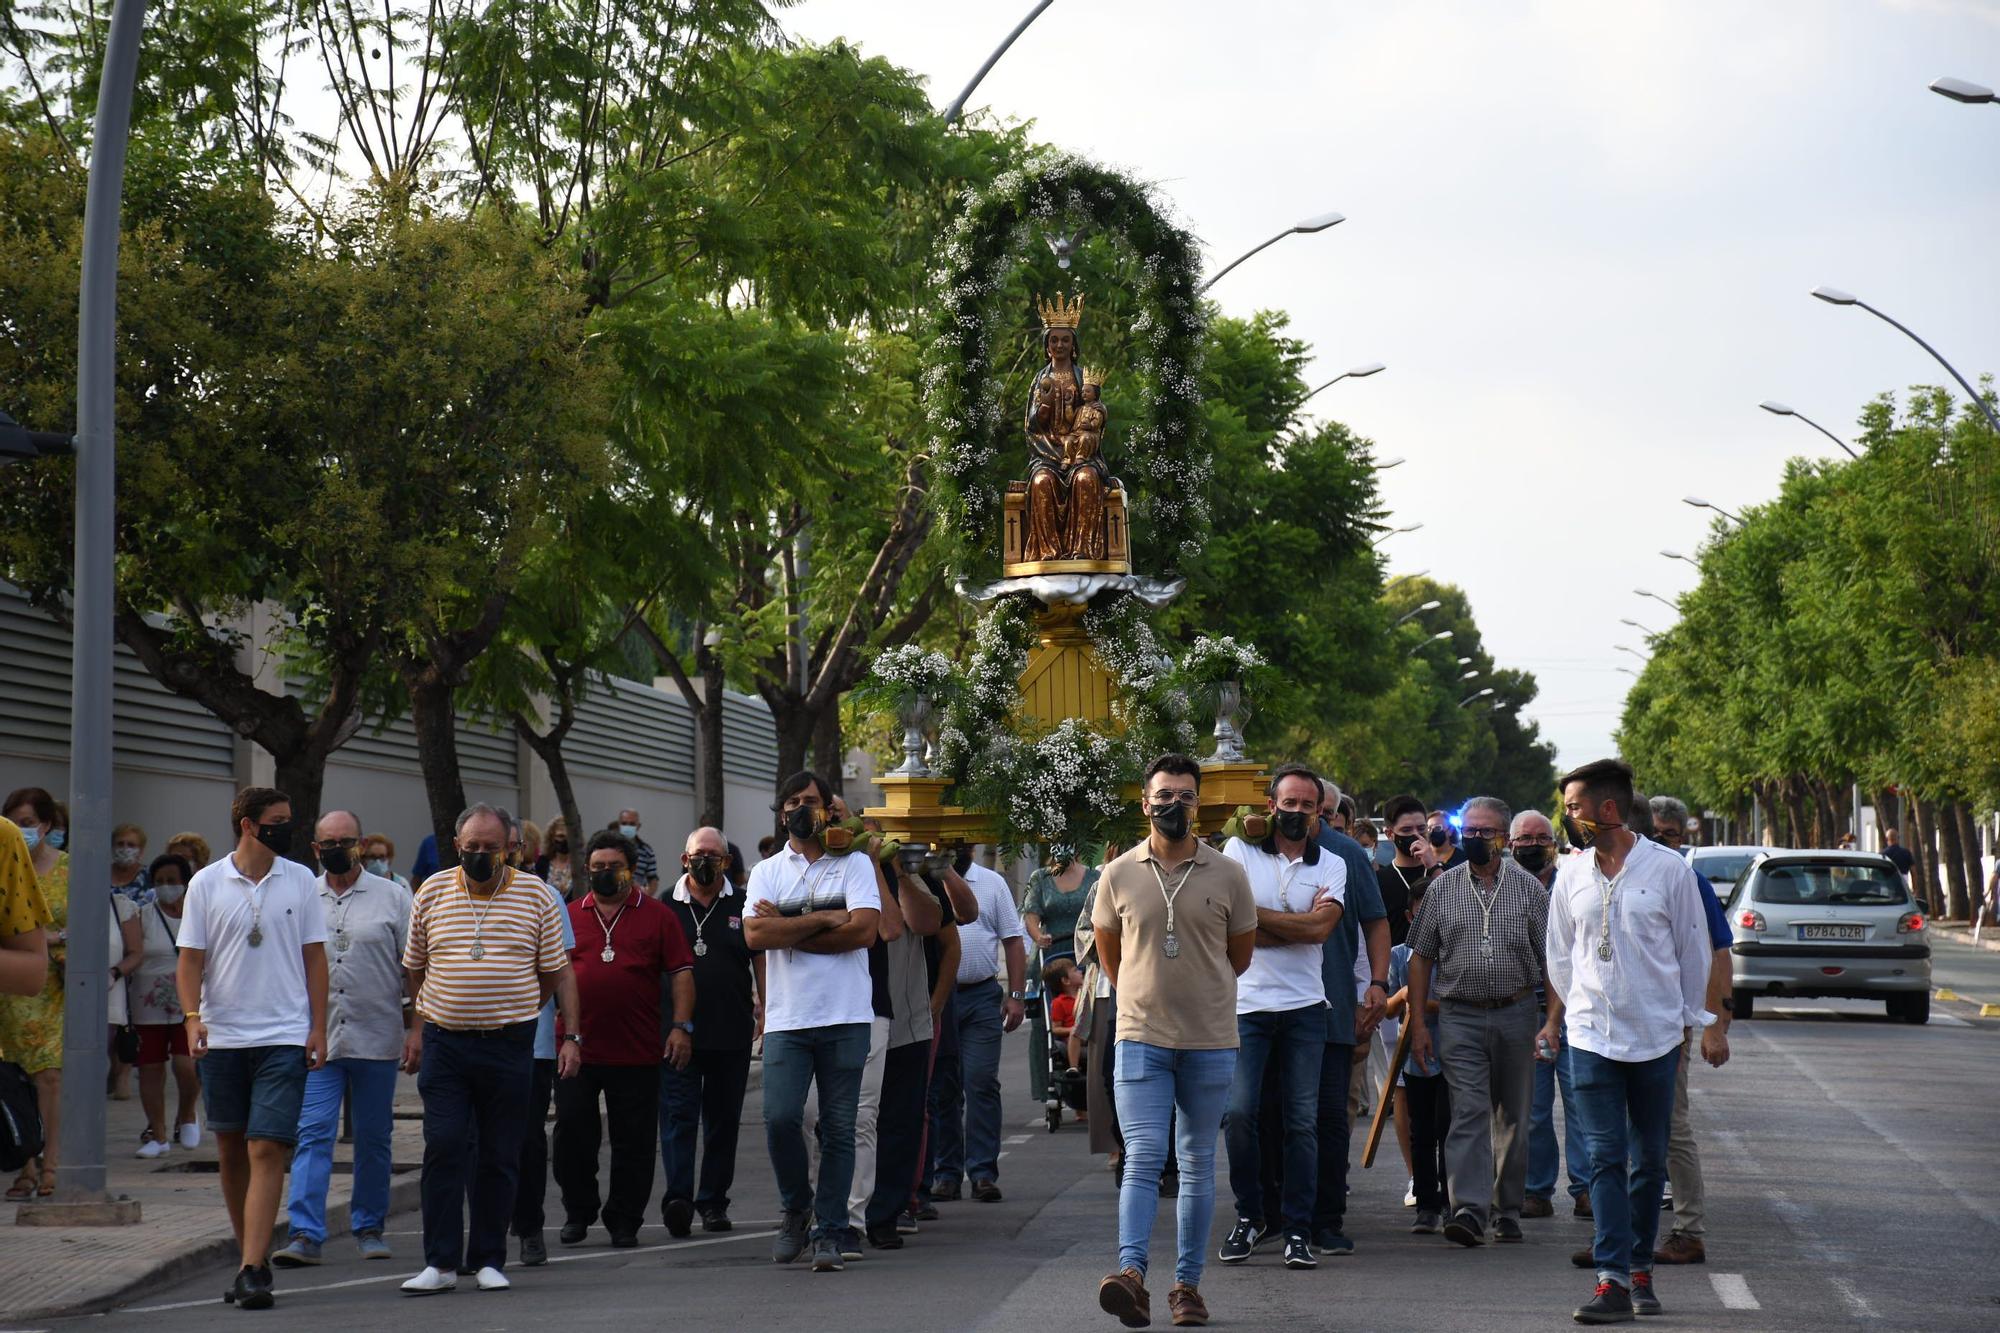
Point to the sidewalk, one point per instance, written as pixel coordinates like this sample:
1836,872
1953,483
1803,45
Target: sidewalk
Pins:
183,1227
1989,938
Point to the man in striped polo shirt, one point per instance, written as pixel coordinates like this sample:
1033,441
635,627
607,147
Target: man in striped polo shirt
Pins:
485,950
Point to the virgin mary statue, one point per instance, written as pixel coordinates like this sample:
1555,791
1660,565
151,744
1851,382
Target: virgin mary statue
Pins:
1066,486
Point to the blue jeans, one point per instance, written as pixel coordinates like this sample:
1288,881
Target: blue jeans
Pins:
1154,1085
832,1059
374,1086
1626,1202
707,1097
477,1089
1551,1076
1330,1195
968,1143
1295,1041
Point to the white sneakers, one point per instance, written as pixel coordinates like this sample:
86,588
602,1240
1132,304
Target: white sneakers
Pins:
431,1282
190,1135
151,1148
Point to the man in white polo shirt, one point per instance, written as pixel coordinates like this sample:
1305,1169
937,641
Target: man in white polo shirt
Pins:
814,916
1281,1013
252,981
966,1115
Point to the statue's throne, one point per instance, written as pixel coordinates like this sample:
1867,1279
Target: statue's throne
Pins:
1117,538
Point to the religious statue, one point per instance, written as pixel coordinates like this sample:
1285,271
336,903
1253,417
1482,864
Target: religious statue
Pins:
1067,479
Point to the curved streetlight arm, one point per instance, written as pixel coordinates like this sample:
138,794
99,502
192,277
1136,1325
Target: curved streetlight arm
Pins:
957,107
1911,334
1240,258
1830,435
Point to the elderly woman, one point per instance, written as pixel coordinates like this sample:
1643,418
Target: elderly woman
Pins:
378,857
156,1013
31,1026
190,847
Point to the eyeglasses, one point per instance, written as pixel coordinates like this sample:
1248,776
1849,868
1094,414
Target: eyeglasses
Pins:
1486,833
328,844
1167,797
1534,840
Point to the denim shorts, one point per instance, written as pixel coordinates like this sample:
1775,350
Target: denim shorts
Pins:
255,1091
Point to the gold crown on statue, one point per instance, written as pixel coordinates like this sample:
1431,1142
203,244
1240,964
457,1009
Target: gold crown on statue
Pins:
1093,377
1058,315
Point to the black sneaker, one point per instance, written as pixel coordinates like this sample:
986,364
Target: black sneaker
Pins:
238,1289
1506,1230
793,1233
906,1223
826,1256
1427,1223
624,1240
717,1219
1464,1229
884,1236
678,1214
1611,1305
1299,1251
1644,1299
849,1241
1236,1248
1267,1232
926,1212
258,1296
572,1233
1331,1244
534,1250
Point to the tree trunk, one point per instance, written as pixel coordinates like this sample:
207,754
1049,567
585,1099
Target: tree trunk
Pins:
1975,865
548,748
1921,838
829,760
1958,899
794,727
301,775
1793,791
708,729
1888,813
436,722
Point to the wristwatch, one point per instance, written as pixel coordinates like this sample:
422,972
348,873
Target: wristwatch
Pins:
686,1027
1729,1004
573,1037
1017,995
1383,984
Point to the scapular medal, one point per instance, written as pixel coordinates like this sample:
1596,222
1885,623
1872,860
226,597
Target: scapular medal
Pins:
1486,949
256,936
1604,950
1172,947
340,941
608,954
701,948
478,950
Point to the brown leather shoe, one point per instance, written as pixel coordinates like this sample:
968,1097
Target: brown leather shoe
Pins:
1124,1294
1187,1306
1681,1248
1583,1205
1536,1206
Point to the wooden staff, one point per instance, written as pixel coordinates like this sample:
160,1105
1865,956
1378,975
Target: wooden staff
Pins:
1388,1092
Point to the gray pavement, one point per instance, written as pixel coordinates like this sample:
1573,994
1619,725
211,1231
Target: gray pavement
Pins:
1852,1181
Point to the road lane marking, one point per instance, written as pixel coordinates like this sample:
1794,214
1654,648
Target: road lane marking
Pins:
467,1284
1733,1291
1015,1138
1862,1309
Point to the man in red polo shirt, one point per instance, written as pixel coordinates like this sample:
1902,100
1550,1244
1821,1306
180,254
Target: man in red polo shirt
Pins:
625,942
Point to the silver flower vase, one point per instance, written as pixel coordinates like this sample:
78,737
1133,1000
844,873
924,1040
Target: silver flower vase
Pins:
914,713
1230,715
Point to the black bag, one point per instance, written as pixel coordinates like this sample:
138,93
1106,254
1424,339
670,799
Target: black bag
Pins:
125,1044
20,1118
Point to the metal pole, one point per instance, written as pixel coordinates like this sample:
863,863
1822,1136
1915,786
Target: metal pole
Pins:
1829,435
958,103
1910,333
85,1059
1240,258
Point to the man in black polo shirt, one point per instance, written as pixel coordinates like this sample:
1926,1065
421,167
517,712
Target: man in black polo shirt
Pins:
728,1014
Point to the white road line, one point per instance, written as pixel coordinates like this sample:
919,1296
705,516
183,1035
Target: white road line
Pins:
1035,1124
402,1275
1862,1309
1002,1153
1016,1138
1733,1291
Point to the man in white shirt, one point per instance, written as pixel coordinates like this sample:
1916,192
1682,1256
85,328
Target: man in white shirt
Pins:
965,1124
1628,960
1281,1013
368,922
813,916
252,980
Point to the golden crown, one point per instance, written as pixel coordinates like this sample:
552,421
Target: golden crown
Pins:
1061,315
1093,377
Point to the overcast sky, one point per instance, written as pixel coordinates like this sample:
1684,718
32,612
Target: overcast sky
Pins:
1581,235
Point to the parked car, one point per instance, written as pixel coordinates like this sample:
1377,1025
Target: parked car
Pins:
1837,924
1725,866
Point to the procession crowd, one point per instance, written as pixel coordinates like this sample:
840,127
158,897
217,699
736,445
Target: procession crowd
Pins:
1248,993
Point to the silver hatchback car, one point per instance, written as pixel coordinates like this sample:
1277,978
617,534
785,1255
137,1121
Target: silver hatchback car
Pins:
1837,924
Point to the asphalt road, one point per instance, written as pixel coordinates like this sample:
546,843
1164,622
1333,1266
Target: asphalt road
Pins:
1853,1180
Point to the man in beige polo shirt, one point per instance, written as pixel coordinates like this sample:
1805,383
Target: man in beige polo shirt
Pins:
1176,923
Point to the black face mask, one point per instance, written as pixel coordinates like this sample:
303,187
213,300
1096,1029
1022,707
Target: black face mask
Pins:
558,844
962,862
336,860
1439,838
803,823
1292,824
1533,858
605,884
1582,832
1171,821
278,837
703,870
478,866
1479,851
1406,843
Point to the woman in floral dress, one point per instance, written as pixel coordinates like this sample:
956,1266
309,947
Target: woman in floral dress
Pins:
31,1026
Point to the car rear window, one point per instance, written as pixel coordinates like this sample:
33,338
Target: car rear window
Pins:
1832,885
1724,868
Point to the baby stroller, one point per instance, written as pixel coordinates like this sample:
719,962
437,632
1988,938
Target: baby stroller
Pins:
1067,1086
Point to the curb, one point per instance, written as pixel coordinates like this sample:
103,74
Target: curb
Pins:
1989,939
405,1193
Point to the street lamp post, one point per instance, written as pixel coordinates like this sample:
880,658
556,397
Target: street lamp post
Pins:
1649,633
1963,90
1780,410
1400,577
1634,651
1700,503
1418,647
1834,296
18,444
1480,695
1304,227
1471,675
1431,605
1675,606
957,107
1352,373
1395,532
1676,555
1394,462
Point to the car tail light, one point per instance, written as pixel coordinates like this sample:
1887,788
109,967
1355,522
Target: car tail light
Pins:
1750,920
1909,923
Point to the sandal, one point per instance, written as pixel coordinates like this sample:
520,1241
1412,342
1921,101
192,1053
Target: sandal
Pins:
23,1188
48,1185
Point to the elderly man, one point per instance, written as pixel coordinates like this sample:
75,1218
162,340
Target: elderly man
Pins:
368,925
1532,841
627,824
485,950
706,1098
1479,941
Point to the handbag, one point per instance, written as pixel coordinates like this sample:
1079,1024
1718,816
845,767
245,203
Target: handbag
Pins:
125,1044
20,1118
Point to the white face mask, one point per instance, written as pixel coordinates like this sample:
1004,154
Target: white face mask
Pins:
376,866
169,893
629,830
125,856
32,834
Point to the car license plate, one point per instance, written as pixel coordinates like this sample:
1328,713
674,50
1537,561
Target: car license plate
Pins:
1831,932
